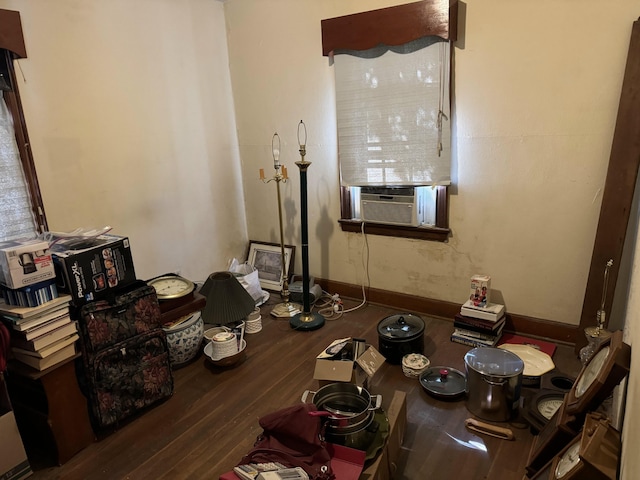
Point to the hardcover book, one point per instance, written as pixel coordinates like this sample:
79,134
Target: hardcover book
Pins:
46,339
28,312
43,329
477,324
474,342
493,311
479,335
24,324
49,349
44,363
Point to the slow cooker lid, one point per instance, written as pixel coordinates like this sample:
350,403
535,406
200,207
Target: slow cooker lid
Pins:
495,362
401,326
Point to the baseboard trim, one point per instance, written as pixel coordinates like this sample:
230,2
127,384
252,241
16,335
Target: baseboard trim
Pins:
520,324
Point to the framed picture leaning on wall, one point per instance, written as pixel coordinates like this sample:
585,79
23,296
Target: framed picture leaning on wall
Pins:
267,259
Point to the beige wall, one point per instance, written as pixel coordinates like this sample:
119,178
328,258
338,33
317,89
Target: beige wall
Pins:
536,95
130,114
129,106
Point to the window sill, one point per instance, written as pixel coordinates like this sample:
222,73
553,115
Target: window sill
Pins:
422,233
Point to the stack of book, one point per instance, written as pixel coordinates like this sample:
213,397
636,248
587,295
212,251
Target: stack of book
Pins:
479,326
41,336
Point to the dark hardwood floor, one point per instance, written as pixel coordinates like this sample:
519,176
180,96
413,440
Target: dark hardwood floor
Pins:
212,418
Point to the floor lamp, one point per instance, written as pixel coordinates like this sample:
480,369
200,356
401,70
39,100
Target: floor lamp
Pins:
305,320
286,308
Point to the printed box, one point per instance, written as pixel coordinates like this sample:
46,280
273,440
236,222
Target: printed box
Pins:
90,269
25,262
480,290
331,367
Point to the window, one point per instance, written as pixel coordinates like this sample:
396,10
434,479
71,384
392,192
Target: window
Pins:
21,209
392,103
16,218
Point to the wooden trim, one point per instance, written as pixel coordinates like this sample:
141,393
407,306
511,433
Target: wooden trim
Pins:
391,26
619,189
442,207
345,202
14,103
520,324
421,233
11,37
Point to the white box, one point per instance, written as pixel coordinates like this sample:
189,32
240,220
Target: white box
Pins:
25,262
480,290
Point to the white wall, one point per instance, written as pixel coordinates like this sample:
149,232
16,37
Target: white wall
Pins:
537,86
130,115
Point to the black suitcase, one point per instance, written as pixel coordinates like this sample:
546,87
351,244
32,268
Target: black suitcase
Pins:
125,357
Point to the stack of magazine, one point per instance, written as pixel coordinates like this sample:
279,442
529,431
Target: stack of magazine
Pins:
269,471
479,326
41,336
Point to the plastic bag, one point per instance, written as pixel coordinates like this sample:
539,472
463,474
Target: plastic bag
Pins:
248,278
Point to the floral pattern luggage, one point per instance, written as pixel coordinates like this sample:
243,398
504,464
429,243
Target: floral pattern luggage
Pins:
125,355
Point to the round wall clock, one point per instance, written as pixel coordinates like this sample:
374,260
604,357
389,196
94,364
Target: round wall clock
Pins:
597,379
561,429
171,287
593,455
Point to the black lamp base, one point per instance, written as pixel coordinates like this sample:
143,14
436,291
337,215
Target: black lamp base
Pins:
306,321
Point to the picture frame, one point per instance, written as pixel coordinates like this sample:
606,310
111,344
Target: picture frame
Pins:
267,259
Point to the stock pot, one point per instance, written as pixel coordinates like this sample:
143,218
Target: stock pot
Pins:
494,380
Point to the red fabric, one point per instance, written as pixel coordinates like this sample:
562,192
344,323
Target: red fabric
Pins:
292,437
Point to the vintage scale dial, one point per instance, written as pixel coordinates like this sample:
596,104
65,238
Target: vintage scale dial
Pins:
541,408
547,407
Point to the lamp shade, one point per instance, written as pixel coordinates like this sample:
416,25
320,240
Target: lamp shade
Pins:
227,299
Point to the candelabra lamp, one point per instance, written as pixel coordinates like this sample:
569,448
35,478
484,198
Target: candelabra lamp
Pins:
286,308
305,320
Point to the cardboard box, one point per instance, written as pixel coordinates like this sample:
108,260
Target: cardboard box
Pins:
385,465
330,369
25,262
90,268
14,464
480,294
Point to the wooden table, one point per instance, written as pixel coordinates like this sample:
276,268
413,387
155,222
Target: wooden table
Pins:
51,411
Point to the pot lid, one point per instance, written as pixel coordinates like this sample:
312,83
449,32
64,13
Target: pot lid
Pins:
443,382
401,326
495,362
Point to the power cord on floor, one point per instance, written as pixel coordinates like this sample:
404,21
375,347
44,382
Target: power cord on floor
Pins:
329,305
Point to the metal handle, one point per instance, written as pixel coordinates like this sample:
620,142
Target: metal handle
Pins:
488,429
305,394
378,402
495,384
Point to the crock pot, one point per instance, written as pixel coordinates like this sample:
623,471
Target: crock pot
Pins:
399,335
494,379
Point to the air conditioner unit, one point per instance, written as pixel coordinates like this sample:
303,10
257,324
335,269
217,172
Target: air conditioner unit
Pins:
392,205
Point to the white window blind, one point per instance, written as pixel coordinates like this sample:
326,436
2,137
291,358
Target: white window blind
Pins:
393,115
16,218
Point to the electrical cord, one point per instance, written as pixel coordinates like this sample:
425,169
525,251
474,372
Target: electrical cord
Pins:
329,305
365,266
